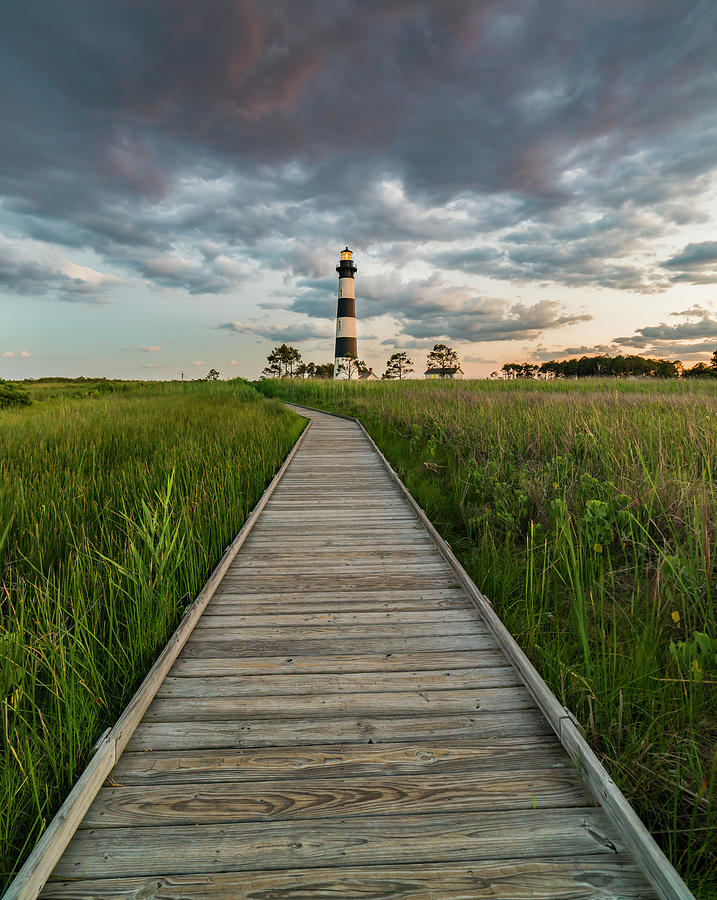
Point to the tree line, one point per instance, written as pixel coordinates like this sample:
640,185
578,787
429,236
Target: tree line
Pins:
286,362
612,366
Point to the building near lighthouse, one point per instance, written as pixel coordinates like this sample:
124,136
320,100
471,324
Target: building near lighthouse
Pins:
346,347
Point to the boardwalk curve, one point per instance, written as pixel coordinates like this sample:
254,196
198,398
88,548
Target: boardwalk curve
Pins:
341,722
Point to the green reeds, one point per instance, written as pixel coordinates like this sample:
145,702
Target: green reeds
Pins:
587,512
114,509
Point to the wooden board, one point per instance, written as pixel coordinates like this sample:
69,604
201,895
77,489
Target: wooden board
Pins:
365,840
338,730
335,663
257,686
201,803
340,760
211,708
201,646
561,878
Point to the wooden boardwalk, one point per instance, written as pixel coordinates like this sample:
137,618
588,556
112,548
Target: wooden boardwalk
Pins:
341,723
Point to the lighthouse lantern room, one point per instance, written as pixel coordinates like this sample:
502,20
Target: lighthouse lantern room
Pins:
345,314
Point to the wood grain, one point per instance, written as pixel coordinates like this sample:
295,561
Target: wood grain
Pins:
335,663
339,730
362,682
201,803
309,843
340,760
564,878
303,706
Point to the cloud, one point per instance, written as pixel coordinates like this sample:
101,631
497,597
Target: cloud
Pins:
153,349
234,362
284,333
8,354
38,270
191,145
542,354
25,354
691,339
433,309
696,263
199,362
152,366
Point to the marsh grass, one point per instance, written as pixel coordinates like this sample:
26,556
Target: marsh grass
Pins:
587,512
114,508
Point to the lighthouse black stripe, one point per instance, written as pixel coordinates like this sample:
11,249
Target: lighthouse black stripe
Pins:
345,346
346,308
346,269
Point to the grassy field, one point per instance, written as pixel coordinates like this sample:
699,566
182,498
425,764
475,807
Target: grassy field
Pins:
587,512
114,508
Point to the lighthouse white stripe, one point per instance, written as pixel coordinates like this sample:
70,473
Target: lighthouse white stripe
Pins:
346,287
346,327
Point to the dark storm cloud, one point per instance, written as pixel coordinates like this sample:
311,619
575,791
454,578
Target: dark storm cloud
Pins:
289,333
697,263
543,354
140,130
689,339
34,274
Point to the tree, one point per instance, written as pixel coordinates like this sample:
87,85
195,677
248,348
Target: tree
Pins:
351,365
283,362
324,370
306,370
212,375
398,366
443,358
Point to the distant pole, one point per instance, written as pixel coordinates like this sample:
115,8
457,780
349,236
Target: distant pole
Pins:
182,374
346,311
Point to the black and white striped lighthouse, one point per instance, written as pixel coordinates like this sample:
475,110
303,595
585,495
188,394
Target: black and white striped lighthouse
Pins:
345,313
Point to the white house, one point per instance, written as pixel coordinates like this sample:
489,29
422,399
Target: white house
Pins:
450,372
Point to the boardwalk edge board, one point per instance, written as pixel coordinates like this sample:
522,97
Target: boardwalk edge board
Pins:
38,867
659,870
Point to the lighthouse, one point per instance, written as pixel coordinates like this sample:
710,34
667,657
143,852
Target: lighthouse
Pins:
345,312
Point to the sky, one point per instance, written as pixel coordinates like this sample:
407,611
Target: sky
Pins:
520,179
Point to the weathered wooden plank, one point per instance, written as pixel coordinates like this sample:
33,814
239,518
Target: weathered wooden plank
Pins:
282,685
311,557
285,845
300,567
340,596
230,646
339,663
227,605
339,730
436,616
299,706
349,581
340,760
202,804
341,631
565,878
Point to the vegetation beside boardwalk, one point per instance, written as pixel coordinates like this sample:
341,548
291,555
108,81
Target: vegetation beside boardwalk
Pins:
114,509
587,512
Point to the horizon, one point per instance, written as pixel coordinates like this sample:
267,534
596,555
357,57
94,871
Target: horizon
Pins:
521,183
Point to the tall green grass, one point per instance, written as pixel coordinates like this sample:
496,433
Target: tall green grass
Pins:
113,511
587,512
